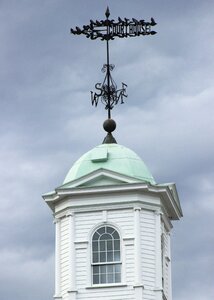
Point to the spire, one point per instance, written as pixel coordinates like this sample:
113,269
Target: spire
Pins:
106,30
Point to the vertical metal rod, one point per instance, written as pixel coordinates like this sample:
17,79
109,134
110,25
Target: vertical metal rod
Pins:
108,74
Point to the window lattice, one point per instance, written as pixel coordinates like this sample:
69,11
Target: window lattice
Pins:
106,261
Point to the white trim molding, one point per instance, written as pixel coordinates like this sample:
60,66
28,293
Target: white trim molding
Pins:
169,267
158,280
72,255
57,294
137,246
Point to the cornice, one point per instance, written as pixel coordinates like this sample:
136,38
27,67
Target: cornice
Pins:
169,201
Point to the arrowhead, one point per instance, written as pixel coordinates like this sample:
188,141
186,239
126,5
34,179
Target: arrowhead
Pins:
107,12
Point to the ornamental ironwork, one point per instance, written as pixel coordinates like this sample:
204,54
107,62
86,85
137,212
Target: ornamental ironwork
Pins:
106,30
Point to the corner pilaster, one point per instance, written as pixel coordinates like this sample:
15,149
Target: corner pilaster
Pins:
158,261
57,295
169,268
138,286
72,256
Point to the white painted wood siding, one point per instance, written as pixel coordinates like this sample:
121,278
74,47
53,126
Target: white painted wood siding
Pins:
85,223
123,219
166,263
64,257
128,266
111,293
148,253
81,268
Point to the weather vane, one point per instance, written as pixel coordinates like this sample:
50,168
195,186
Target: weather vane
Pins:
107,30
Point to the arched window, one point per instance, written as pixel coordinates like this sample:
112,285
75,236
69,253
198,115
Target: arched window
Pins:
106,256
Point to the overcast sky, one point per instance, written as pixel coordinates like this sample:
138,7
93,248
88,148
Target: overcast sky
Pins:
47,122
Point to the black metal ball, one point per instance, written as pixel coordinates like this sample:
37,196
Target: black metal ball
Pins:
109,125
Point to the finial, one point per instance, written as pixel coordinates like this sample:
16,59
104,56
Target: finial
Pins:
107,12
109,126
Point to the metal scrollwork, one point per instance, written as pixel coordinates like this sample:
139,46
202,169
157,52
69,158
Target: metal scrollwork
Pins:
108,94
107,30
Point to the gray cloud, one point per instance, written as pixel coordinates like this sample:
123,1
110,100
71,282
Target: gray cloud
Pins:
46,123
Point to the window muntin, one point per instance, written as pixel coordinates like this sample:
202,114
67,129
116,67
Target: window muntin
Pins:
106,261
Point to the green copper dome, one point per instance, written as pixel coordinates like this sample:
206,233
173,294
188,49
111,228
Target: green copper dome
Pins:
111,157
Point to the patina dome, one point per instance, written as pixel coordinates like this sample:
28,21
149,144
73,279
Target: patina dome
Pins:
111,157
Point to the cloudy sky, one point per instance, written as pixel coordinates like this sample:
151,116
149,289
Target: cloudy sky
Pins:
47,122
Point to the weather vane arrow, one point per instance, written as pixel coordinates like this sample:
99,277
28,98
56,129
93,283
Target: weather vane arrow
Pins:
107,30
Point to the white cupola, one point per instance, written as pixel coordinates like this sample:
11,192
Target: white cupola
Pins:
113,226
